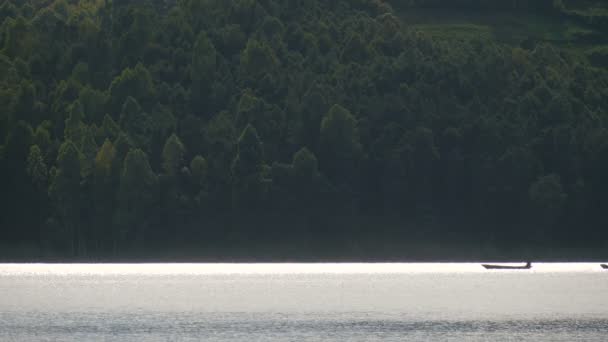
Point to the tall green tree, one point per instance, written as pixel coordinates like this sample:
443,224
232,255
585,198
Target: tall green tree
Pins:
135,122
199,170
75,129
88,152
37,168
202,73
16,184
307,181
65,193
249,185
173,155
548,199
105,182
259,65
137,196
132,82
38,199
339,143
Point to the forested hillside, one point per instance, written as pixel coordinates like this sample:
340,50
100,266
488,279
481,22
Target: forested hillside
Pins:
215,124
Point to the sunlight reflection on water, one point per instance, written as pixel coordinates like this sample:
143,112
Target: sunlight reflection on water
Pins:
313,302
280,268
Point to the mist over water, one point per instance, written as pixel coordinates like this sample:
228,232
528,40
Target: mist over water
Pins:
286,302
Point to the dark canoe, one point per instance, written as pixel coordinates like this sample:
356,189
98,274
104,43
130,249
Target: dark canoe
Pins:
604,266
500,267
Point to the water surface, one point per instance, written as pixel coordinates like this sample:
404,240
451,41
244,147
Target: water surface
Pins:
302,302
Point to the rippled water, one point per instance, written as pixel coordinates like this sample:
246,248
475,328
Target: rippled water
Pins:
302,302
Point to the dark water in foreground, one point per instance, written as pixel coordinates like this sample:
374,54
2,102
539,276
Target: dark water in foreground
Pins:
302,302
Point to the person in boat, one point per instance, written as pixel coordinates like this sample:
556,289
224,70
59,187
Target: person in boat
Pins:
528,264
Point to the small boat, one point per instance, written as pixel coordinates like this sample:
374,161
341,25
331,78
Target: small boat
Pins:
527,266
604,266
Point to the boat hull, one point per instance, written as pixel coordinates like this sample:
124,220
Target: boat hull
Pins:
499,267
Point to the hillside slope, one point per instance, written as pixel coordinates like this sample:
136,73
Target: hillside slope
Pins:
578,26
310,128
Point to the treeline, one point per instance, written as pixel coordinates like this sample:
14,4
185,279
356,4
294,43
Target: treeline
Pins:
140,123
591,13
480,4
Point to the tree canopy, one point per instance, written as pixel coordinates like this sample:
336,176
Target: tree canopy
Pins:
140,124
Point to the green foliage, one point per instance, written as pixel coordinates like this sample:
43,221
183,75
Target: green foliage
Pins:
88,152
173,155
250,154
599,56
306,112
339,143
137,194
75,129
202,72
19,40
93,103
204,61
8,9
136,83
548,197
67,177
64,190
305,165
231,38
137,179
269,120
248,168
123,145
42,136
272,28
106,170
134,122
17,144
109,127
36,167
258,61
356,50
25,103
105,160
480,4
199,170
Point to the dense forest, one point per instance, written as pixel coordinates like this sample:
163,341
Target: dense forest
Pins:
312,127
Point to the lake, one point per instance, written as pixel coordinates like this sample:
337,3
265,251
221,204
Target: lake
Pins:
302,302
